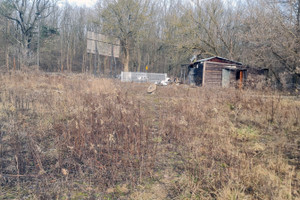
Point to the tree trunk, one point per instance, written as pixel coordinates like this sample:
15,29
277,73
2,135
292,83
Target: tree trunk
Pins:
68,65
298,16
126,59
61,54
139,59
83,63
90,63
6,45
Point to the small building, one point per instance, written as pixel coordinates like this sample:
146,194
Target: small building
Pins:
216,71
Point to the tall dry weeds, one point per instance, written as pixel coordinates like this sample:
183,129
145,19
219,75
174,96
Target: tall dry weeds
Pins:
235,144
61,128
78,137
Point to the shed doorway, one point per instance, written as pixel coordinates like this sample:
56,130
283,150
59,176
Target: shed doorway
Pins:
225,77
195,74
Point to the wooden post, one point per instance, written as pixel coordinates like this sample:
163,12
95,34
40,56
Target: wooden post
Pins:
90,61
184,72
83,64
181,74
241,79
99,64
105,64
110,66
204,69
115,62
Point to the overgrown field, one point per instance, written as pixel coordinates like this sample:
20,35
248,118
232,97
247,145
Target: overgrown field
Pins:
78,137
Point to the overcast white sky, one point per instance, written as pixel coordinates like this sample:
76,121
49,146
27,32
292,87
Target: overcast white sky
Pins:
88,3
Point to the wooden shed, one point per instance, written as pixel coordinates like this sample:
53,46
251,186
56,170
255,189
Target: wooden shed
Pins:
216,71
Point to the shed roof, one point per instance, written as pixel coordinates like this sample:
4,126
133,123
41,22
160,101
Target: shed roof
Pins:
220,58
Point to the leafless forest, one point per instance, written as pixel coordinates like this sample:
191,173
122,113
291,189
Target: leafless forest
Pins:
161,34
68,134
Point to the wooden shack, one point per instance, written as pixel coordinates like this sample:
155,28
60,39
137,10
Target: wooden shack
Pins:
216,71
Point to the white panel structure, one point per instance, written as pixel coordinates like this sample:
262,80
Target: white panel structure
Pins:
141,77
103,45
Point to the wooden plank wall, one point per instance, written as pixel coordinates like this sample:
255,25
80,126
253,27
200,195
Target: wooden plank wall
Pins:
213,73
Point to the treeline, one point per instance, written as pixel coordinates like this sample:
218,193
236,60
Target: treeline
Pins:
161,34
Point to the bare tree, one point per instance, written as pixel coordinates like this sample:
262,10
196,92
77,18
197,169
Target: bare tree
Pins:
270,36
25,14
124,19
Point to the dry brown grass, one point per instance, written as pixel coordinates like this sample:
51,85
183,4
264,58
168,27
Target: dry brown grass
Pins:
78,137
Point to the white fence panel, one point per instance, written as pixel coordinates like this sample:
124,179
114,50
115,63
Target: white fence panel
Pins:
141,77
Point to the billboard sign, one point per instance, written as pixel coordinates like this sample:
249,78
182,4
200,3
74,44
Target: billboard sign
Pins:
102,45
